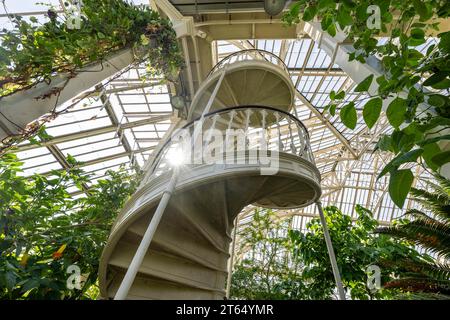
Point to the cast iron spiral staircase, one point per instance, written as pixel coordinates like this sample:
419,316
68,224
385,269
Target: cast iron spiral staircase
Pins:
250,92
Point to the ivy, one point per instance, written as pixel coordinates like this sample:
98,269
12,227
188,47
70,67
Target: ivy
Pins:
34,52
417,83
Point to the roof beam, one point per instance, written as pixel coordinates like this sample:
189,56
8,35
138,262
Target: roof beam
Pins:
112,116
103,159
89,133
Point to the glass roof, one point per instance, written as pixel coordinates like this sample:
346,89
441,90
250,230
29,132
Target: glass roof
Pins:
123,124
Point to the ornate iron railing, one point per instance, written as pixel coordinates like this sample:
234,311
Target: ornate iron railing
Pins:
250,54
243,128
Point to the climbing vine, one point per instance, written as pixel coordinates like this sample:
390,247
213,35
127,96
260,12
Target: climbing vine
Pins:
417,83
33,51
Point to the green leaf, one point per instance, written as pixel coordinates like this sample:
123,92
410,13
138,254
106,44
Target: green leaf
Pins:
309,13
417,33
385,143
441,158
417,37
437,100
144,40
434,139
433,123
323,4
333,109
402,141
340,95
294,10
365,84
10,279
348,115
326,21
435,78
30,284
444,43
429,151
410,156
372,110
421,9
444,84
396,112
331,30
343,17
400,184
332,95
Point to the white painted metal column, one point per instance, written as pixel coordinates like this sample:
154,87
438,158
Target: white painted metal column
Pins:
231,260
130,275
334,266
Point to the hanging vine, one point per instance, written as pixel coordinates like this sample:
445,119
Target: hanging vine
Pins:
33,52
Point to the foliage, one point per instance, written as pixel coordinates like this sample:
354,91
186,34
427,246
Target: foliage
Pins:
265,271
33,52
356,247
430,229
416,83
296,265
44,230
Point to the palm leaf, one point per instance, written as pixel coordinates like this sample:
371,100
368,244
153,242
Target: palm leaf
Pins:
417,268
434,202
430,234
444,184
419,284
422,296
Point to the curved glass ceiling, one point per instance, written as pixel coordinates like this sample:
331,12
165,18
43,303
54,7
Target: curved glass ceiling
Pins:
123,123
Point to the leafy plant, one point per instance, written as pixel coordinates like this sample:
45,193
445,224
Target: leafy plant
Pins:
44,230
33,52
290,264
356,247
265,271
428,228
417,83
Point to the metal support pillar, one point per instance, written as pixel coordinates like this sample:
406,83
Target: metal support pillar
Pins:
334,266
130,275
230,262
